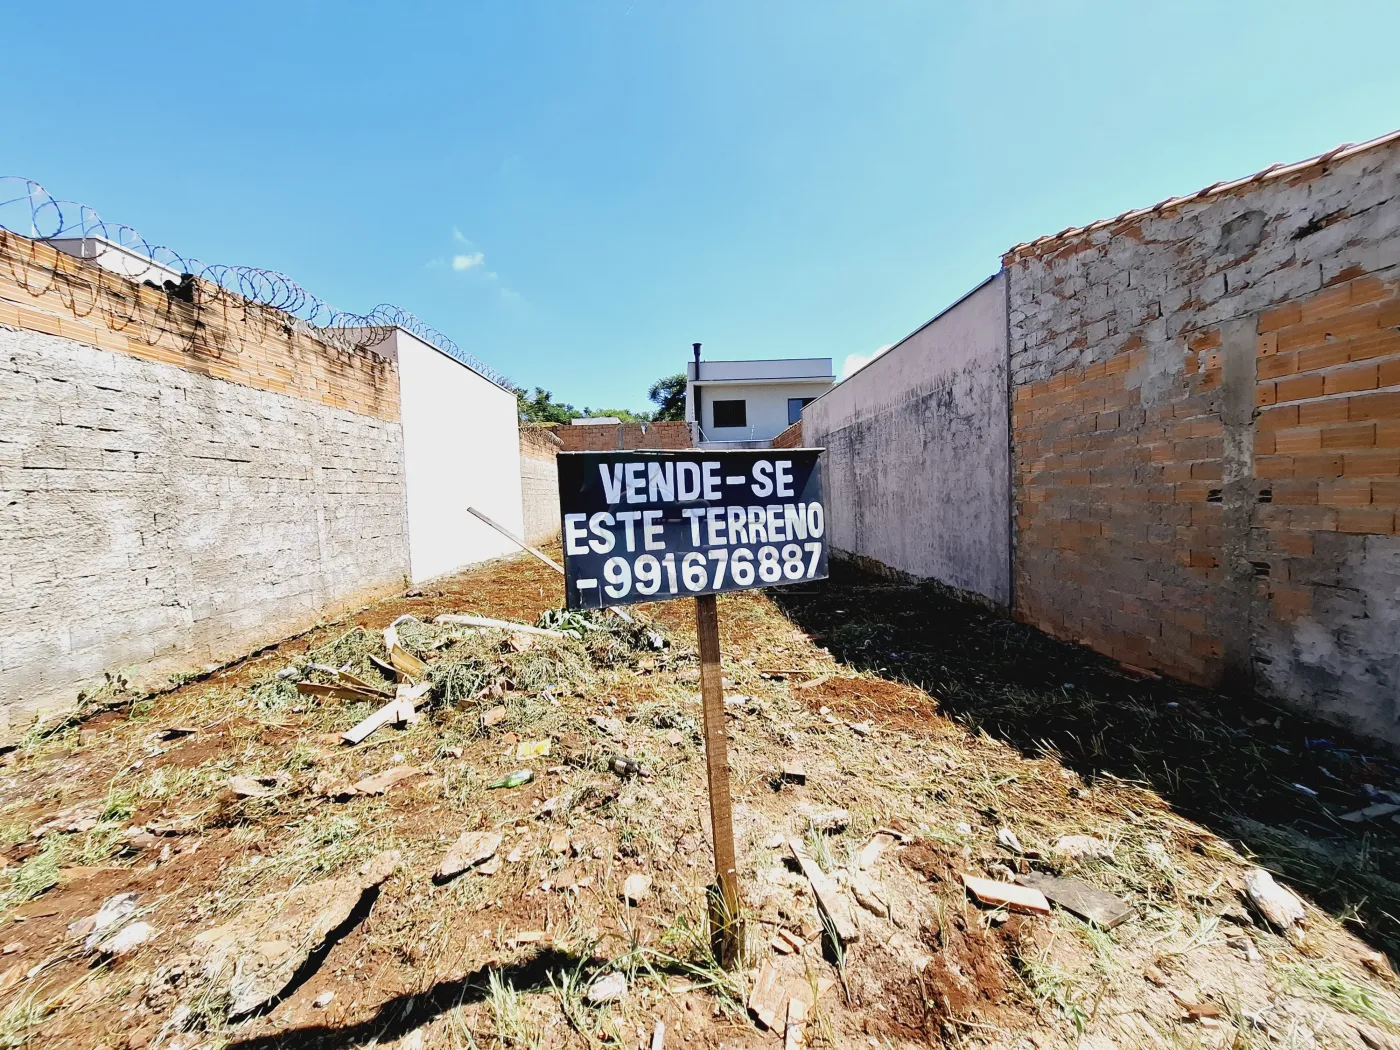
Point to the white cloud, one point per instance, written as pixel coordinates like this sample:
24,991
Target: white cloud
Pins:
855,362
459,236
466,262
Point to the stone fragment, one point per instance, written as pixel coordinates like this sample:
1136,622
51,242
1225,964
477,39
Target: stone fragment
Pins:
127,939
379,783
471,848
257,953
606,989
1275,903
830,821
634,888
1088,902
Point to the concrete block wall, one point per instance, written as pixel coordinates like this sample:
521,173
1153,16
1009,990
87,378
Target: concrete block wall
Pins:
539,483
916,468
177,485
1206,431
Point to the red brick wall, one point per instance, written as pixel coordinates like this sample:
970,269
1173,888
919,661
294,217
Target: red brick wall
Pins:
790,438
44,290
604,437
1206,438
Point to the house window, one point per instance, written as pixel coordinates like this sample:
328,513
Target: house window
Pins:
795,407
730,414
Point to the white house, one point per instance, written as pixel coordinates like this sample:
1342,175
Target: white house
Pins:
751,402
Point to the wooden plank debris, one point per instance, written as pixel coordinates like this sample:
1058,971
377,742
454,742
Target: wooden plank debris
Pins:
829,898
390,712
1088,902
338,692
406,663
1008,895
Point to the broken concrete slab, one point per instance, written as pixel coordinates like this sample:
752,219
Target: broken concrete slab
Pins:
1087,902
768,997
471,848
259,952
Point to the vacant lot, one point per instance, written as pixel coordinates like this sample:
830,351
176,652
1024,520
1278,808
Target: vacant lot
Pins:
215,867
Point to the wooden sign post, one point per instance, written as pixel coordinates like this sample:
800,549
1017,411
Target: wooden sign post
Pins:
726,929
647,526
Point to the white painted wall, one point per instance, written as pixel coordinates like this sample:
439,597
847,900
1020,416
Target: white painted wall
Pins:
461,446
767,406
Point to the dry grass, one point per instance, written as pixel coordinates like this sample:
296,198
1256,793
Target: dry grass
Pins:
445,958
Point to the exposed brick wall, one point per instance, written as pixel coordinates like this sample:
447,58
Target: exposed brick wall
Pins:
790,438
172,495
539,483
604,437
44,290
1206,433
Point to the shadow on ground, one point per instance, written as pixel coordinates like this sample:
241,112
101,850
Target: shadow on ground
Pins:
1265,779
405,1013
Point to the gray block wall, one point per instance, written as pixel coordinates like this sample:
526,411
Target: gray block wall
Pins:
916,469
539,490
154,520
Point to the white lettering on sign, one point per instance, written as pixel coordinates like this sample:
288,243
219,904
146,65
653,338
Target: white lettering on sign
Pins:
661,482
784,477
574,534
762,478
710,470
652,530
612,482
600,525
687,482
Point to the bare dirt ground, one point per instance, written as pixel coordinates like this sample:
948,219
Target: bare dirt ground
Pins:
976,744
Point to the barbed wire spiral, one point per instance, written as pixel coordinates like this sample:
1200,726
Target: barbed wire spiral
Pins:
29,210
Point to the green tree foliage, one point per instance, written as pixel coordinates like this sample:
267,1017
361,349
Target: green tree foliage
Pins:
668,394
542,408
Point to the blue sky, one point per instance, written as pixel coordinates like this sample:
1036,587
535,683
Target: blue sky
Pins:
577,190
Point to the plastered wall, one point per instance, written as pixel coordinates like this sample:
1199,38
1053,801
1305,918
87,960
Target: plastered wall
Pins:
916,469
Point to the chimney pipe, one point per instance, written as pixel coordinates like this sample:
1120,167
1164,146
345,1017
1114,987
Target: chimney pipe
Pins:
696,348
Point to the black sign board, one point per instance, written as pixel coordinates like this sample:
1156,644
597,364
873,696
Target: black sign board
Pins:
647,526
